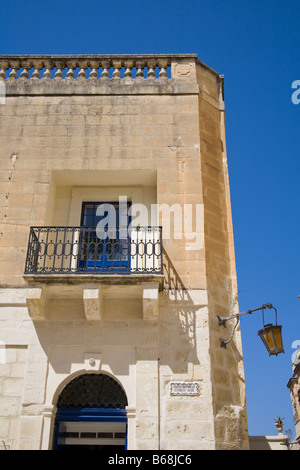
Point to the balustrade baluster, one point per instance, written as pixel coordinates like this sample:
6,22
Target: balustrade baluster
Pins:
105,65
117,65
139,73
37,67
70,73
48,66
151,66
13,73
24,73
163,64
83,67
128,66
3,67
71,66
26,65
14,67
59,66
36,73
94,66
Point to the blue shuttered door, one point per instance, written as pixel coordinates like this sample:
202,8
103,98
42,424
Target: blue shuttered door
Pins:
103,246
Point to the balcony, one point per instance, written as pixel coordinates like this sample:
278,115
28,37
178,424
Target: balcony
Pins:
86,250
67,262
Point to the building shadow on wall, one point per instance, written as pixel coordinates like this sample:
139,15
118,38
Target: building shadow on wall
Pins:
175,332
178,319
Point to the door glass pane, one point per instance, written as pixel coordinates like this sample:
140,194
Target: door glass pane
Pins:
89,216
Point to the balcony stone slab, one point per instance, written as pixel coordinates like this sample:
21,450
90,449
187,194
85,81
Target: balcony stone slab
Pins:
102,279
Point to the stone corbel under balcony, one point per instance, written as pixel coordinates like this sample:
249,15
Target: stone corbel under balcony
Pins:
36,303
92,301
150,301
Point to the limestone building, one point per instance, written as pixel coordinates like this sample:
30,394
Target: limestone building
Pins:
117,256
294,386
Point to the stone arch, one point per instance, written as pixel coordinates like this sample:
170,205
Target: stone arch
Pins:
92,390
64,383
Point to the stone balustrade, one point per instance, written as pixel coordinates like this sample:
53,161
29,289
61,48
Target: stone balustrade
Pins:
96,66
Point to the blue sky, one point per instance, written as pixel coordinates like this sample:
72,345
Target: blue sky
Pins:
255,44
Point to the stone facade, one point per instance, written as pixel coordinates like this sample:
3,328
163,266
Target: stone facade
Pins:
294,386
158,139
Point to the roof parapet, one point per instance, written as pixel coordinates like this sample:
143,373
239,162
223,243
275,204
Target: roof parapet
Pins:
144,66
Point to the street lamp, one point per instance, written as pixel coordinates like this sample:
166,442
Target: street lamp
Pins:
270,334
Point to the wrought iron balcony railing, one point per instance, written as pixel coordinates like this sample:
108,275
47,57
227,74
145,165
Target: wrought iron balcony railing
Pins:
83,250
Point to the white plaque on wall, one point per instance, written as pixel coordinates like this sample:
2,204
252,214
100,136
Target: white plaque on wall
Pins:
185,388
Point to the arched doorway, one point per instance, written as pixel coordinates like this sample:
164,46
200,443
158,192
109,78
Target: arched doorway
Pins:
91,413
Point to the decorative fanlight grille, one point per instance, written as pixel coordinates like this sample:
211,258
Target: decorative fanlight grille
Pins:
92,391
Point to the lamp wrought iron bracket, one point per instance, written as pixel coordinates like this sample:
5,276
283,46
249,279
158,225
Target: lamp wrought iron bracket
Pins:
223,320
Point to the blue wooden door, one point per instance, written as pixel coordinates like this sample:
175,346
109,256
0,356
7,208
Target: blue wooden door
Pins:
103,246
90,429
